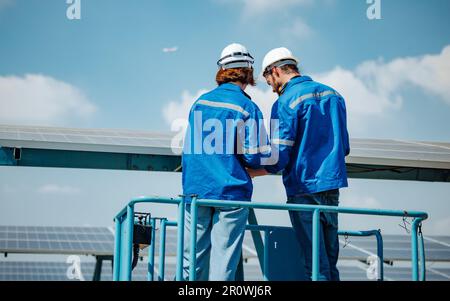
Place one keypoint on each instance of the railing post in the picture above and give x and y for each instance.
(414, 255)
(257, 240)
(129, 242)
(180, 244)
(380, 255)
(117, 246)
(423, 271)
(316, 245)
(266, 255)
(193, 241)
(151, 253)
(162, 249)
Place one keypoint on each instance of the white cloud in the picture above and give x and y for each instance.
(175, 110)
(297, 30)
(375, 86)
(253, 8)
(259, 7)
(371, 89)
(39, 99)
(58, 189)
(264, 98)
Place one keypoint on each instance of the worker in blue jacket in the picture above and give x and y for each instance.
(309, 133)
(225, 136)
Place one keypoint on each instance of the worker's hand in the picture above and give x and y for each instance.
(256, 172)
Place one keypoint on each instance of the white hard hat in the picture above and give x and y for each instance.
(281, 56)
(235, 56)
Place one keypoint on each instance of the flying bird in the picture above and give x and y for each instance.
(172, 49)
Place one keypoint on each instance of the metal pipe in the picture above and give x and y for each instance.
(414, 256)
(380, 255)
(180, 243)
(423, 270)
(117, 245)
(193, 241)
(151, 253)
(266, 255)
(162, 249)
(315, 245)
(129, 241)
(297, 207)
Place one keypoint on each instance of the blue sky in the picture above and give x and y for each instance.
(109, 70)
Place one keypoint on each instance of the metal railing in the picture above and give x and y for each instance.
(125, 221)
(266, 230)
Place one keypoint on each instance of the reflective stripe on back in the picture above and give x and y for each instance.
(283, 142)
(312, 95)
(224, 105)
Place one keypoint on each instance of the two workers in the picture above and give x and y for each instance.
(226, 145)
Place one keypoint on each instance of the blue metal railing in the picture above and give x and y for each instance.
(266, 229)
(123, 247)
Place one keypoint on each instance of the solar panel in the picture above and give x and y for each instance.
(56, 240)
(363, 151)
(395, 247)
(118, 141)
(57, 271)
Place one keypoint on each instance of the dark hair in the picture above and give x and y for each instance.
(242, 75)
(288, 69)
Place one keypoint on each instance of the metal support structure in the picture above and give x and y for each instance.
(98, 266)
(151, 252)
(266, 254)
(414, 251)
(180, 237)
(117, 245)
(257, 240)
(315, 245)
(193, 241)
(422, 255)
(162, 248)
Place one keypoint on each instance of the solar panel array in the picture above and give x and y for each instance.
(100, 241)
(56, 240)
(57, 271)
(395, 247)
(363, 151)
(411, 153)
(103, 140)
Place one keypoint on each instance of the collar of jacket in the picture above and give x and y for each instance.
(293, 81)
(233, 87)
